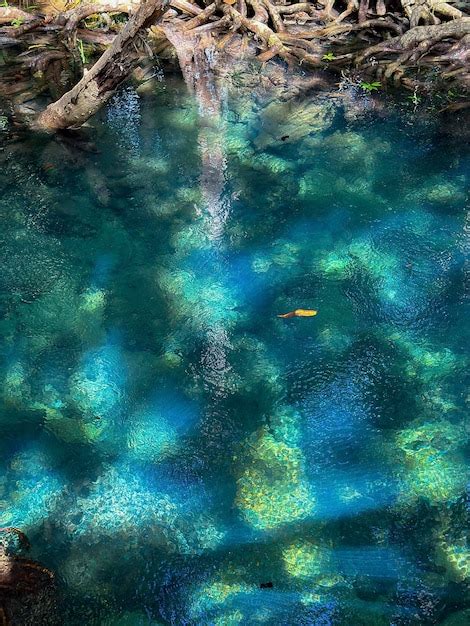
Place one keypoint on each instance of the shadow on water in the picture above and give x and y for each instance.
(175, 452)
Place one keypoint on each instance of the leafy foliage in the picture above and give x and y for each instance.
(370, 87)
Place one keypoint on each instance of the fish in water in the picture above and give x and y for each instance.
(300, 313)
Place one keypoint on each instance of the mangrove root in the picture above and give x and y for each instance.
(388, 39)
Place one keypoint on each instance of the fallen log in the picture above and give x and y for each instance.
(95, 88)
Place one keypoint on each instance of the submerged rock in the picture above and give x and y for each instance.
(432, 461)
(292, 121)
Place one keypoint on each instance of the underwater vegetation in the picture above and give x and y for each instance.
(271, 491)
(237, 398)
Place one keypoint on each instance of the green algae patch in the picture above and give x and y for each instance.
(272, 490)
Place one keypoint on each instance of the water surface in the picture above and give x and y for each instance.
(174, 451)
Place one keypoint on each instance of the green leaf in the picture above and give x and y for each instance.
(329, 56)
(81, 51)
(370, 86)
(415, 98)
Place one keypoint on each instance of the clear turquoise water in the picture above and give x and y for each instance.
(168, 444)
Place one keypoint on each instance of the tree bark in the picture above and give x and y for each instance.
(9, 14)
(98, 84)
(427, 11)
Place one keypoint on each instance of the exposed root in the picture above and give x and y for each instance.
(417, 42)
(383, 38)
(429, 11)
(201, 18)
(261, 14)
(75, 16)
(10, 14)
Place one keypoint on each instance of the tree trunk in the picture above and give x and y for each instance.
(101, 81)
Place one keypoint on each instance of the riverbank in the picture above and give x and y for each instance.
(370, 47)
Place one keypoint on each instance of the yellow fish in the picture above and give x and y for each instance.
(300, 313)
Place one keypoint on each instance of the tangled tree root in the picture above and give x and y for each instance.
(386, 39)
(414, 47)
(429, 11)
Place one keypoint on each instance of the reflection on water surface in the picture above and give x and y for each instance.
(170, 446)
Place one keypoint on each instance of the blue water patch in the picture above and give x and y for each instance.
(98, 385)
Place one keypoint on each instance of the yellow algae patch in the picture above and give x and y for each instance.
(292, 120)
(348, 494)
(71, 429)
(444, 193)
(457, 558)
(93, 301)
(429, 439)
(322, 589)
(438, 481)
(270, 163)
(284, 424)
(231, 619)
(424, 362)
(272, 490)
(285, 253)
(311, 598)
(304, 560)
(436, 400)
(219, 592)
(64, 428)
(261, 264)
(335, 264)
(15, 388)
(214, 594)
(350, 151)
(363, 254)
(172, 359)
(432, 463)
